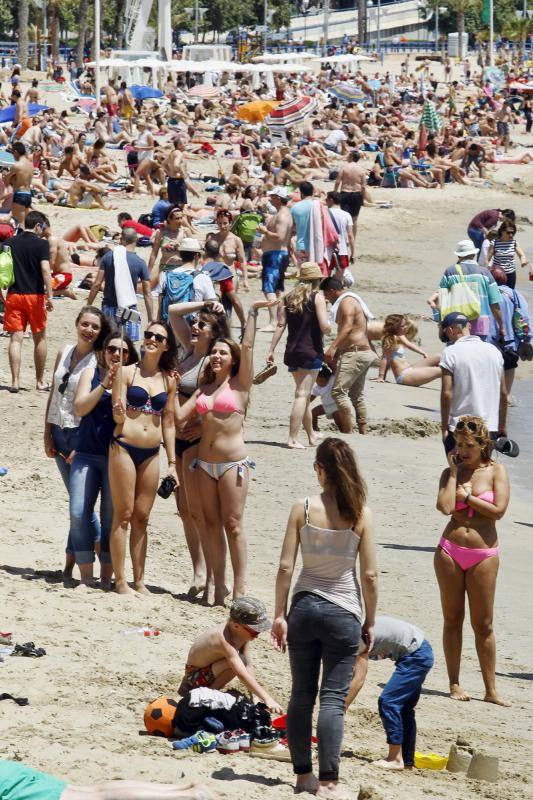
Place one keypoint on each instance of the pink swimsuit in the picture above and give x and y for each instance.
(467, 557)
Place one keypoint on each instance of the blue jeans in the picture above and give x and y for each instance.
(399, 697)
(321, 634)
(477, 236)
(65, 441)
(88, 477)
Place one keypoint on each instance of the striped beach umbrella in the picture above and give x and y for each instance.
(203, 91)
(288, 114)
(430, 118)
(348, 93)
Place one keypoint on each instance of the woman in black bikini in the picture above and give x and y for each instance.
(209, 324)
(143, 409)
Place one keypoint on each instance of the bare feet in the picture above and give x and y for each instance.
(384, 764)
(83, 586)
(457, 693)
(334, 791)
(140, 587)
(196, 588)
(293, 444)
(42, 387)
(497, 700)
(68, 581)
(267, 329)
(122, 587)
(306, 783)
(314, 440)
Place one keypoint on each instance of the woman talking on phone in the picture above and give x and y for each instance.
(325, 622)
(143, 410)
(474, 493)
(222, 465)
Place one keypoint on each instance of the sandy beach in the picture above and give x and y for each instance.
(87, 696)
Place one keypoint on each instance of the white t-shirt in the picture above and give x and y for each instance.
(344, 223)
(477, 368)
(203, 285)
(335, 138)
(324, 392)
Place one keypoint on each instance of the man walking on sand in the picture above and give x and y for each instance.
(20, 177)
(178, 179)
(350, 183)
(350, 352)
(30, 297)
(275, 246)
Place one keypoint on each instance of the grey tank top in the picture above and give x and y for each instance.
(189, 380)
(329, 557)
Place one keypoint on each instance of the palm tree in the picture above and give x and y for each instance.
(53, 9)
(518, 30)
(461, 7)
(82, 30)
(23, 15)
(361, 22)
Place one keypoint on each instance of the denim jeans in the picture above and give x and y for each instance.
(399, 697)
(65, 441)
(320, 634)
(477, 236)
(88, 477)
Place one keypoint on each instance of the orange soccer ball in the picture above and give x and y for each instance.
(159, 716)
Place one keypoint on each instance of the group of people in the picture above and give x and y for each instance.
(122, 391)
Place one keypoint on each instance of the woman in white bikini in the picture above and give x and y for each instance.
(398, 331)
(222, 464)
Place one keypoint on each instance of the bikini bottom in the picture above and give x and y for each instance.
(137, 454)
(467, 557)
(216, 471)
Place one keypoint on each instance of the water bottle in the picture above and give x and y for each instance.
(145, 631)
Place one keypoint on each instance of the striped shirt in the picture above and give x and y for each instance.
(504, 255)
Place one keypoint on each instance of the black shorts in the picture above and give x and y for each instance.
(183, 444)
(177, 191)
(352, 202)
(22, 199)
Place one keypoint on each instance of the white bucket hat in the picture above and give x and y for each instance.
(466, 247)
(190, 245)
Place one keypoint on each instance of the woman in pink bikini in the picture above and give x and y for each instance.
(474, 493)
(222, 464)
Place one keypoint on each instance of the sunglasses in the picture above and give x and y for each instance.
(250, 631)
(159, 338)
(64, 383)
(472, 426)
(111, 348)
(200, 323)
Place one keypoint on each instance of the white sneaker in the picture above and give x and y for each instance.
(228, 742)
(273, 750)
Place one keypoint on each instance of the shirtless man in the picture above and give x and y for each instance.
(177, 177)
(223, 653)
(32, 95)
(86, 183)
(61, 264)
(20, 177)
(504, 118)
(275, 246)
(351, 184)
(111, 105)
(71, 163)
(22, 122)
(350, 353)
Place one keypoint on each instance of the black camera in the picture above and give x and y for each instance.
(168, 485)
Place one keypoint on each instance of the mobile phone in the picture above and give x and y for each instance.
(127, 315)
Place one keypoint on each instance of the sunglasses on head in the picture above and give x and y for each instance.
(64, 383)
(472, 426)
(159, 338)
(111, 348)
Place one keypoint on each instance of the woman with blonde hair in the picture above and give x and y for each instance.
(398, 333)
(303, 312)
(474, 493)
(326, 620)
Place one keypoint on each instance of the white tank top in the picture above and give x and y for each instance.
(61, 411)
(329, 557)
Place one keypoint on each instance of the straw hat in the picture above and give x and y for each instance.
(310, 271)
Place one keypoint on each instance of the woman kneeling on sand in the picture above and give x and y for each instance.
(398, 332)
(474, 492)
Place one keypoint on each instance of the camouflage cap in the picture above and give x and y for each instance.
(250, 612)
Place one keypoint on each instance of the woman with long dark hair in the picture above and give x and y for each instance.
(143, 410)
(207, 324)
(325, 622)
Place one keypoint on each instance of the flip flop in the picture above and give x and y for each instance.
(28, 650)
(45, 388)
(264, 374)
(507, 447)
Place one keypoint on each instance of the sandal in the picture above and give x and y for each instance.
(507, 447)
(28, 650)
(264, 374)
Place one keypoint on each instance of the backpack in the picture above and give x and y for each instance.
(147, 219)
(179, 288)
(7, 274)
(245, 226)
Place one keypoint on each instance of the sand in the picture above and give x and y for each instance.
(87, 696)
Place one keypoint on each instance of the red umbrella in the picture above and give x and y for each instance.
(422, 140)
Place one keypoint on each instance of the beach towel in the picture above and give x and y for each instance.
(322, 235)
(124, 287)
(335, 307)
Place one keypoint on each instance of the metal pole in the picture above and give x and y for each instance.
(436, 28)
(97, 10)
(491, 34)
(379, 26)
(326, 22)
(196, 15)
(265, 21)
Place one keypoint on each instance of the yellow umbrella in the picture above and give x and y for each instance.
(256, 111)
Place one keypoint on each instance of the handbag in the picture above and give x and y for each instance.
(461, 297)
(7, 274)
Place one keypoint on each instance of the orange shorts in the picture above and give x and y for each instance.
(22, 310)
(23, 127)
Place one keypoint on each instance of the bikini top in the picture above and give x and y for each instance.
(138, 399)
(487, 496)
(189, 380)
(224, 403)
(399, 352)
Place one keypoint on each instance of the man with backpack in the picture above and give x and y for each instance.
(186, 282)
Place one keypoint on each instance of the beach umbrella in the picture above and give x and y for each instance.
(374, 84)
(430, 119)
(203, 91)
(6, 159)
(517, 86)
(8, 114)
(348, 93)
(288, 114)
(257, 110)
(145, 92)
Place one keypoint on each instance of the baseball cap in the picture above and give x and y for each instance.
(279, 191)
(454, 318)
(250, 612)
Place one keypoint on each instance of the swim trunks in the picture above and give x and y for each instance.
(195, 677)
(19, 782)
(351, 202)
(22, 198)
(21, 310)
(274, 262)
(177, 191)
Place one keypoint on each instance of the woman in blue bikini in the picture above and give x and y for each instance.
(222, 464)
(143, 410)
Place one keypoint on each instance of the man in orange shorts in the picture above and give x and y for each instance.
(29, 298)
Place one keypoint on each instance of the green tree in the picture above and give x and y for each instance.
(518, 30)
(361, 22)
(281, 18)
(82, 30)
(23, 21)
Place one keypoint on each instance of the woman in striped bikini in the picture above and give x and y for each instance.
(503, 252)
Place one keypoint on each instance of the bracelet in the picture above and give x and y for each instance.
(171, 462)
(105, 388)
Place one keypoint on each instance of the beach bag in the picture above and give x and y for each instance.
(520, 322)
(7, 274)
(461, 297)
(179, 289)
(245, 226)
